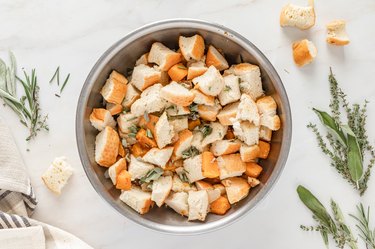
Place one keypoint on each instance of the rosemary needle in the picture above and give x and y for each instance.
(64, 84)
(54, 75)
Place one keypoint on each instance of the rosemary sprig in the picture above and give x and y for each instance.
(366, 233)
(56, 76)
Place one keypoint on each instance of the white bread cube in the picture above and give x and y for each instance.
(304, 52)
(176, 110)
(106, 147)
(180, 186)
(142, 60)
(137, 199)
(150, 101)
(125, 121)
(202, 99)
(248, 110)
(267, 109)
(158, 157)
(100, 118)
(132, 94)
(271, 122)
(209, 113)
(197, 141)
(164, 57)
(178, 202)
(144, 76)
(193, 168)
(114, 109)
(253, 182)
(196, 69)
(231, 91)
(216, 59)
(298, 16)
(198, 205)
(213, 194)
(336, 33)
(236, 188)
(183, 143)
(246, 132)
(57, 175)
(224, 147)
(163, 131)
(265, 133)
(230, 165)
(176, 94)
(179, 124)
(161, 189)
(218, 133)
(220, 187)
(211, 82)
(114, 89)
(192, 48)
(249, 153)
(115, 169)
(228, 113)
(138, 168)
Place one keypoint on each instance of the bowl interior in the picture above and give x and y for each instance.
(122, 57)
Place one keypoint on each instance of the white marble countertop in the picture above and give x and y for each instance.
(73, 34)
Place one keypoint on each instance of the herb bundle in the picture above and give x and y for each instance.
(348, 143)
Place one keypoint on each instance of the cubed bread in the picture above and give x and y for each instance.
(304, 52)
(123, 181)
(150, 101)
(137, 199)
(176, 94)
(220, 187)
(114, 89)
(115, 170)
(178, 202)
(57, 175)
(148, 121)
(142, 60)
(138, 168)
(178, 72)
(265, 134)
(209, 113)
(192, 48)
(180, 186)
(253, 169)
(126, 121)
(163, 131)
(202, 185)
(114, 109)
(246, 132)
(183, 143)
(228, 113)
(231, 91)
(193, 168)
(218, 133)
(202, 99)
(196, 69)
(216, 59)
(176, 110)
(224, 147)
(230, 165)
(164, 57)
(271, 122)
(210, 168)
(211, 82)
(198, 205)
(267, 109)
(179, 124)
(144, 76)
(193, 123)
(264, 149)
(158, 157)
(161, 189)
(249, 153)
(100, 118)
(236, 188)
(248, 110)
(121, 150)
(220, 206)
(132, 94)
(253, 182)
(298, 16)
(197, 141)
(143, 137)
(106, 147)
(336, 33)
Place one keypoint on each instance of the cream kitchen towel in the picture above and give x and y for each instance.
(17, 203)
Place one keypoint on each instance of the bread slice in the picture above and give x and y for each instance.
(230, 165)
(150, 101)
(125, 121)
(196, 69)
(163, 56)
(218, 133)
(114, 89)
(193, 168)
(137, 199)
(183, 143)
(144, 76)
(298, 16)
(228, 113)
(267, 109)
(132, 94)
(336, 33)
(106, 147)
(211, 82)
(176, 110)
(198, 205)
(231, 91)
(179, 124)
(158, 157)
(248, 110)
(209, 113)
(142, 60)
(210, 168)
(178, 202)
(177, 94)
(192, 48)
(178, 72)
(100, 118)
(163, 131)
(220, 206)
(236, 188)
(115, 170)
(225, 147)
(138, 168)
(161, 189)
(253, 169)
(202, 99)
(304, 52)
(249, 153)
(57, 175)
(265, 133)
(216, 59)
(246, 132)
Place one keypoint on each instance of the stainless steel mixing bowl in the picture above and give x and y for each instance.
(121, 57)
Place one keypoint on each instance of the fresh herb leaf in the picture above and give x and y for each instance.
(124, 142)
(227, 88)
(182, 67)
(146, 117)
(134, 128)
(152, 175)
(206, 130)
(54, 75)
(190, 152)
(354, 159)
(331, 125)
(183, 177)
(64, 84)
(366, 233)
(149, 133)
(193, 115)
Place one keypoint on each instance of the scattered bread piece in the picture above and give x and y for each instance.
(198, 205)
(248, 110)
(115, 169)
(138, 168)
(163, 131)
(150, 101)
(193, 168)
(249, 153)
(228, 113)
(246, 132)
(144, 76)
(114, 89)
(230, 166)
(304, 52)
(132, 94)
(158, 157)
(196, 69)
(106, 147)
(264, 149)
(202, 99)
(216, 59)
(161, 189)
(163, 56)
(192, 48)
(231, 91)
(137, 199)
(220, 206)
(236, 188)
(178, 202)
(178, 72)
(253, 169)
(224, 147)
(210, 168)
(298, 16)
(177, 94)
(336, 33)
(183, 143)
(100, 118)
(57, 175)
(211, 82)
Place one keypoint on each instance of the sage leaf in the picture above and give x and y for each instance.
(354, 159)
(331, 125)
(152, 175)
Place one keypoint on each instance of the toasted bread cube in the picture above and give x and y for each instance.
(114, 89)
(193, 168)
(163, 131)
(207, 112)
(150, 101)
(265, 134)
(202, 99)
(267, 109)
(253, 182)
(126, 121)
(137, 199)
(224, 147)
(336, 33)
(178, 72)
(210, 168)
(264, 149)
(121, 150)
(100, 118)
(246, 132)
(161, 189)
(183, 143)
(216, 59)
(304, 52)
(193, 123)
(218, 132)
(192, 48)
(249, 153)
(144, 76)
(229, 135)
(228, 113)
(196, 69)
(178, 202)
(163, 56)
(150, 123)
(180, 186)
(211, 82)
(144, 140)
(138, 169)
(142, 60)
(230, 166)
(298, 16)
(138, 150)
(114, 109)
(248, 110)
(177, 94)
(197, 141)
(115, 170)
(176, 110)
(220, 187)
(179, 124)
(57, 175)
(271, 122)
(106, 147)
(123, 181)
(253, 169)
(231, 91)
(132, 94)
(220, 206)
(158, 157)
(236, 188)
(198, 205)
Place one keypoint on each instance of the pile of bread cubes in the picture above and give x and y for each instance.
(301, 17)
(190, 130)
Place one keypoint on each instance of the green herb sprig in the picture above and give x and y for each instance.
(190, 152)
(152, 175)
(56, 76)
(366, 233)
